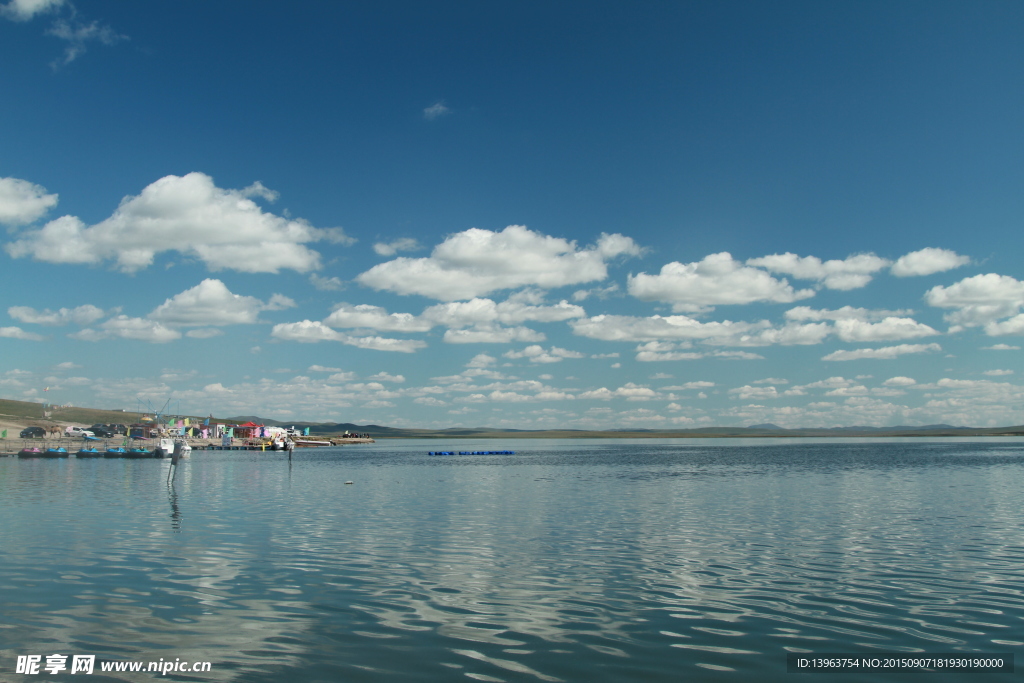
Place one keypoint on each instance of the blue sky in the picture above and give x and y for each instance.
(531, 215)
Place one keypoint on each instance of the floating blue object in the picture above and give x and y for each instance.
(472, 453)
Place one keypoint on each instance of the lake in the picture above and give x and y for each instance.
(572, 560)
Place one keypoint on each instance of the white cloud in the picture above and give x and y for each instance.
(979, 300)
(18, 333)
(599, 292)
(481, 360)
(224, 229)
(393, 247)
(212, 303)
(670, 351)
(326, 284)
(749, 393)
(387, 377)
(23, 10)
(346, 315)
(899, 381)
(80, 315)
(475, 262)
(844, 313)
(78, 35)
(204, 333)
(771, 380)
(322, 368)
(629, 391)
(313, 331)
(927, 261)
(124, 327)
(718, 279)
(22, 202)
(997, 373)
(511, 312)
(492, 334)
(851, 273)
(690, 385)
(884, 353)
(1001, 347)
(537, 354)
(629, 328)
(889, 329)
(436, 111)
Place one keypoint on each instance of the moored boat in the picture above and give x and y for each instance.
(116, 452)
(55, 452)
(137, 453)
(30, 452)
(89, 453)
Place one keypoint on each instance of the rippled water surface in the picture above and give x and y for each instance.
(604, 560)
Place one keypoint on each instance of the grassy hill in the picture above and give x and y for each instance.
(24, 412)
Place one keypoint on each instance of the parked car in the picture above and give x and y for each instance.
(33, 433)
(118, 429)
(102, 431)
(77, 431)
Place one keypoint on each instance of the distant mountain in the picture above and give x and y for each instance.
(766, 425)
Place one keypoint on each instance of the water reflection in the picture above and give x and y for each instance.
(642, 563)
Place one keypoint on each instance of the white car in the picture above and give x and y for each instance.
(77, 431)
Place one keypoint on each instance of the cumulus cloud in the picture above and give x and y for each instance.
(225, 229)
(313, 331)
(124, 327)
(212, 303)
(852, 272)
(928, 261)
(22, 202)
(395, 246)
(680, 327)
(346, 315)
(204, 333)
(23, 10)
(511, 312)
(80, 315)
(997, 373)
(899, 381)
(844, 313)
(671, 351)
(18, 333)
(889, 329)
(492, 334)
(326, 284)
(717, 279)
(653, 328)
(436, 111)
(883, 353)
(476, 262)
(981, 300)
(537, 354)
(628, 391)
(1001, 347)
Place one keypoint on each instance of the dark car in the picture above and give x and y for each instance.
(102, 431)
(118, 428)
(33, 433)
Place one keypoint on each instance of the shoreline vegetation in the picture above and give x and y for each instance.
(16, 415)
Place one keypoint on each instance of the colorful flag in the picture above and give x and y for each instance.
(3, 435)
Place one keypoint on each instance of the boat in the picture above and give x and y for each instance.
(164, 448)
(115, 452)
(138, 453)
(55, 452)
(89, 453)
(30, 452)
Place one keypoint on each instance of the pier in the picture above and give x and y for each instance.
(10, 447)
